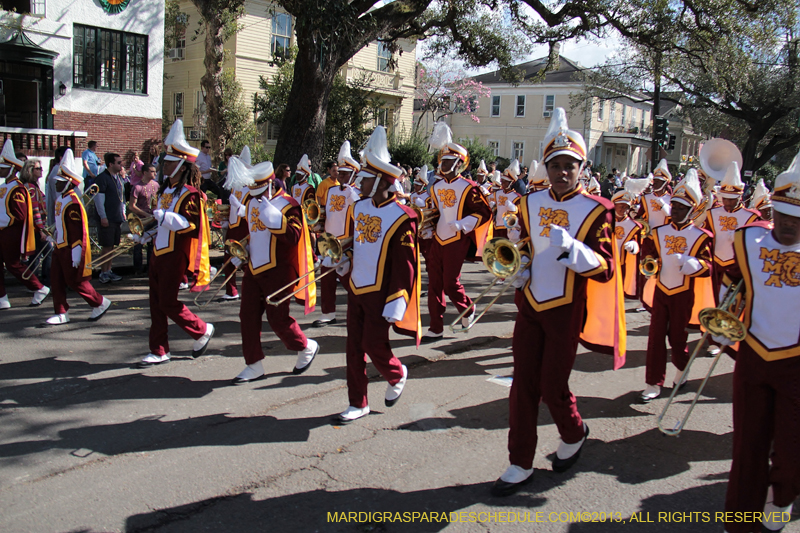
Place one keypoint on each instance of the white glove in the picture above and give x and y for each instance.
(632, 247)
(271, 214)
(77, 255)
(524, 273)
(158, 214)
(174, 221)
(327, 262)
(662, 202)
(224, 225)
(135, 238)
(427, 233)
(235, 203)
(419, 202)
(514, 234)
(50, 239)
(560, 238)
(235, 261)
(511, 207)
(343, 267)
(146, 237)
(679, 258)
(690, 265)
(722, 340)
(394, 310)
(466, 224)
(484, 190)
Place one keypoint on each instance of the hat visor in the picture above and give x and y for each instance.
(365, 174)
(730, 195)
(172, 158)
(450, 156)
(683, 201)
(785, 208)
(570, 153)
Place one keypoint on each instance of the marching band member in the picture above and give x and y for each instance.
(16, 227)
(627, 234)
(683, 252)
(336, 203)
(279, 251)
(593, 188)
(72, 253)
(302, 190)
(568, 273)
(180, 245)
(538, 180)
(505, 199)
(481, 177)
(422, 199)
(761, 201)
(237, 225)
(766, 378)
(384, 279)
(655, 206)
(463, 211)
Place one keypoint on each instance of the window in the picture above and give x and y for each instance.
(549, 105)
(494, 146)
(281, 34)
(520, 105)
(496, 107)
(37, 7)
(382, 117)
(178, 104)
(601, 110)
(384, 57)
(641, 124)
(612, 116)
(273, 130)
(518, 151)
(624, 113)
(109, 60)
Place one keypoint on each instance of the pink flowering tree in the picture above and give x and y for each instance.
(444, 88)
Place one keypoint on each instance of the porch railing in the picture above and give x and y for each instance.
(41, 143)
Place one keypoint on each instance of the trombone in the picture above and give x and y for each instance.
(425, 217)
(137, 227)
(503, 259)
(50, 231)
(312, 212)
(720, 321)
(235, 249)
(329, 246)
(649, 266)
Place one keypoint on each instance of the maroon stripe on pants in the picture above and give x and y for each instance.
(444, 278)
(168, 273)
(63, 275)
(255, 290)
(766, 414)
(670, 318)
(10, 245)
(368, 334)
(544, 349)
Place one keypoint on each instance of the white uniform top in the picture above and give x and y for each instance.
(624, 231)
(424, 195)
(449, 199)
(372, 228)
(61, 226)
(167, 201)
(243, 195)
(671, 241)
(262, 240)
(6, 192)
(500, 197)
(337, 204)
(299, 190)
(772, 292)
(723, 225)
(653, 212)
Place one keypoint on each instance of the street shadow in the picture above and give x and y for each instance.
(52, 367)
(316, 510)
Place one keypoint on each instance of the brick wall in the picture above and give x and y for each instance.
(113, 133)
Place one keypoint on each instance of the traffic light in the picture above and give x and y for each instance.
(661, 134)
(671, 144)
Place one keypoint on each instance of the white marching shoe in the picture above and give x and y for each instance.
(305, 357)
(393, 392)
(513, 479)
(229, 297)
(430, 336)
(153, 359)
(568, 454)
(250, 373)
(678, 378)
(40, 295)
(467, 319)
(4, 303)
(57, 320)
(100, 310)
(714, 350)
(772, 511)
(200, 345)
(353, 413)
(650, 393)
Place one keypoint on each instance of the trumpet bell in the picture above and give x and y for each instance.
(649, 266)
(721, 323)
(511, 219)
(313, 212)
(330, 246)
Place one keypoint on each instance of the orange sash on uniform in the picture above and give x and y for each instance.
(305, 264)
(198, 252)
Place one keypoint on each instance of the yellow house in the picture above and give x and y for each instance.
(267, 30)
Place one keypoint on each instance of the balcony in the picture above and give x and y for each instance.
(41, 142)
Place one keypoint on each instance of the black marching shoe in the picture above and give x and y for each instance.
(562, 465)
(518, 476)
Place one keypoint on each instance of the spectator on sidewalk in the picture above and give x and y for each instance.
(204, 164)
(91, 164)
(143, 199)
(31, 173)
(111, 210)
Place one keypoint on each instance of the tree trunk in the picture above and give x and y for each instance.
(211, 80)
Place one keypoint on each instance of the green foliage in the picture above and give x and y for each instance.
(409, 149)
(477, 151)
(175, 23)
(236, 122)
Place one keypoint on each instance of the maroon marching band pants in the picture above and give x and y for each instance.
(670, 318)
(328, 291)
(230, 286)
(169, 271)
(544, 348)
(63, 275)
(368, 334)
(766, 414)
(10, 242)
(255, 290)
(443, 264)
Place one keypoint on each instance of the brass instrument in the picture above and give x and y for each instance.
(236, 249)
(720, 321)
(645, 231)
(425, 217)
(312, 212)
(50, 231)
(649, 266)
(503, 259)
(137, 227)
(329, 246)
(218, 212)
(511, 219)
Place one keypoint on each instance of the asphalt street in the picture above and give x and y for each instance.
(88, 442)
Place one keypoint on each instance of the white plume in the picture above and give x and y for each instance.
(637, 186)
(238, 174)
(378, 146)
(441, 136)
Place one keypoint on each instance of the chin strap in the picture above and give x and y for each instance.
(180, 164)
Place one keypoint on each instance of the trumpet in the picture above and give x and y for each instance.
(50, 231)
(137, 227)
(329, 246)
(235, 249)
(425, 217)
(503, 259)
(720, 321)
(312, 212)
(511, 219)
(649, 266)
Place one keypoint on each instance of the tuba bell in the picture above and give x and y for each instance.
(715, 157)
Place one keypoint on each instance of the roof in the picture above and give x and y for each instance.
(20, 48)
(565, 73)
